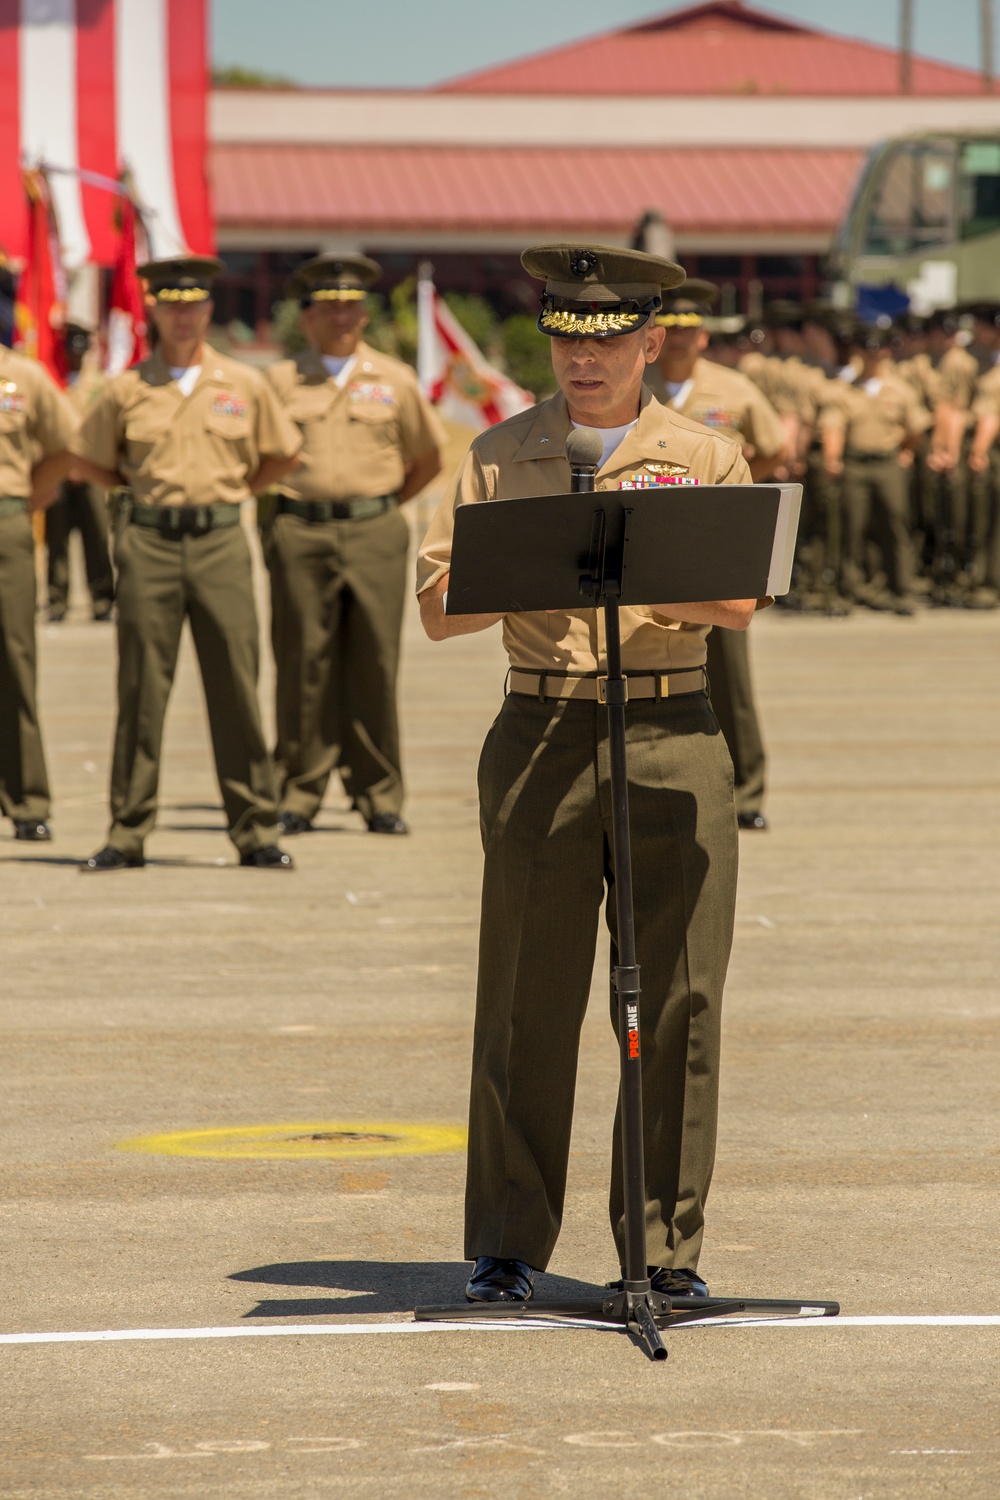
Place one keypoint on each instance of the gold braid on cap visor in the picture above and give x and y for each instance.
(338, 294)
(679, 320)
(581, 325)
(182, 294)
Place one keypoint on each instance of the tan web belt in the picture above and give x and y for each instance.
(592, 687)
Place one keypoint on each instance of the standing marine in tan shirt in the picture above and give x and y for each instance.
(190, 434)
(730, 403)
(545, 804)
(36, 427)
(337, 550)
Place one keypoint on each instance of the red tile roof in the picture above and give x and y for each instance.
(723, 47)
(473, 188)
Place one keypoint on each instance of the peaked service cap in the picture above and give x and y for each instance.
(597, 291)
(333, 278)
(689, 306)
(181, 278)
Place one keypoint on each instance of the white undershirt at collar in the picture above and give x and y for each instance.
(186, 377)
(678, 393)
(611, 437)
(339, 367)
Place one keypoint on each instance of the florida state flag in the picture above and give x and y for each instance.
(453, 372)
(40, 305)
(127, 342)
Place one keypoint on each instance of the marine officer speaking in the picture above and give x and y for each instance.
(190, 434)
(337, 550)
(545, 805)
(36, 426)
(733, 405)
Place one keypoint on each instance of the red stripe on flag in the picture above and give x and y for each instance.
(96, 133)
(13, 212)
(187, 51)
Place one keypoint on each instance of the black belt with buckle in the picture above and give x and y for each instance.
(175, 521)
(870, 458)
(358, 508)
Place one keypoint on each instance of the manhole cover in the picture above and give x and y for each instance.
(304, 1141)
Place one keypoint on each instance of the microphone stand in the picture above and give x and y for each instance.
(631, 1303)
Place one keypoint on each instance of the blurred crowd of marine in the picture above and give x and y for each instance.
(891, 428)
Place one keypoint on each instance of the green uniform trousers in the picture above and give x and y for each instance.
(545, 799)
(731, 688)
(80, 507)
(338, 589)
(24, 782)
(876, 497)
(207, 580)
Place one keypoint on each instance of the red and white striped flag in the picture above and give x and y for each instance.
(127, 342)
(454, 373)
(40, 304)
(89, 88)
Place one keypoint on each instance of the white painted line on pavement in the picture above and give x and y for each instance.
(507, 1325)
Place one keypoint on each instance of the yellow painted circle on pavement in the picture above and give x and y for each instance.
(306, 1141)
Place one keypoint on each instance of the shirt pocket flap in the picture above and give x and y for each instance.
(309, 403)
(228, 425)
(372, 413)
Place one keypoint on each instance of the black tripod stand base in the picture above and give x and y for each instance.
(643, 1315)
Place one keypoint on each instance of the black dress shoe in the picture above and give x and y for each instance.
(497, 1280)
(752, 820)
(111, 859)
(677, 1283)
(387, 823)
(268, 857)
(32, 830)
(57, 614)
(290, 823)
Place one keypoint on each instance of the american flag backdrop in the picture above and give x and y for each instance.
(89, 88)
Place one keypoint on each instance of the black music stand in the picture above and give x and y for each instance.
(606, 550)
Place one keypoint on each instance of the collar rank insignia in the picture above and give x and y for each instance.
(653, 481)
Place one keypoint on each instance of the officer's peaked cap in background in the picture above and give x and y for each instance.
(181, 278)
(333, 278)
(688, 307)
(598, 291)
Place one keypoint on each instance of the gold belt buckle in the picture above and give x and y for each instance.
(602, 689)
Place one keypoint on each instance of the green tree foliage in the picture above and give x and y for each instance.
(526, 355)
(249, 78)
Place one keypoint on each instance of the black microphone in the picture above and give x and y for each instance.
(584, 450)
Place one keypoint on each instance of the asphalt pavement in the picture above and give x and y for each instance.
(234, 1103)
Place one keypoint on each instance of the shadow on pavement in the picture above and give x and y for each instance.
(380, 1286)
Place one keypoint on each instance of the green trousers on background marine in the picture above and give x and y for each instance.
(338, 592)
(24, 782)
(730, 686)
(545, 799)
(207, 580)
(83, 508)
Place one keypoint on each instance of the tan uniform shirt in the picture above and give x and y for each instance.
(82, 392)
(769, 374)
(357, 437)
(874, 424)
(172, 449)
(729, 403)
(958, 371)
(526, 456)
(987, 397)
(36, 421)
(920, 374)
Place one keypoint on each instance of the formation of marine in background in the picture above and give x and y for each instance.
(892, 432)
(891, 429)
